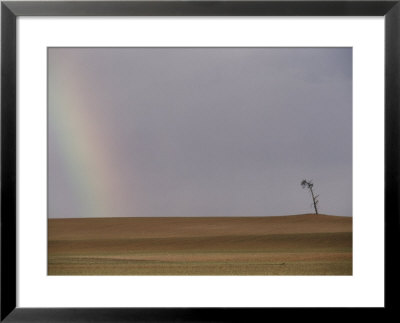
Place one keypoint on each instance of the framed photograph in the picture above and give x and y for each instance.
(197, 160)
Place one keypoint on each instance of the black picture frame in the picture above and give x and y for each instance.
(10, 10)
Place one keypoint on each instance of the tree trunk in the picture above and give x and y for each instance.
(315, 203)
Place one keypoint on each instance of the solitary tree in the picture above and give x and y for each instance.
(309, 185)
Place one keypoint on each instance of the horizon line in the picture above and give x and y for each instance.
(198, 217)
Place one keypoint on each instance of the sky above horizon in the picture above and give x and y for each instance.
(198, 131)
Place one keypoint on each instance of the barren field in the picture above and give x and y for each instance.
(282, 245)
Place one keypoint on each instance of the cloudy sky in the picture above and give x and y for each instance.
(198, 131)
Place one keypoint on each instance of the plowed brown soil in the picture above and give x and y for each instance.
(281, 245)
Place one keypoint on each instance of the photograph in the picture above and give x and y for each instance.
(199, 161)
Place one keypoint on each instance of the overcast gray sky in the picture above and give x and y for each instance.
(199, 131)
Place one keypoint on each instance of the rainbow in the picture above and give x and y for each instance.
(85, 147)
